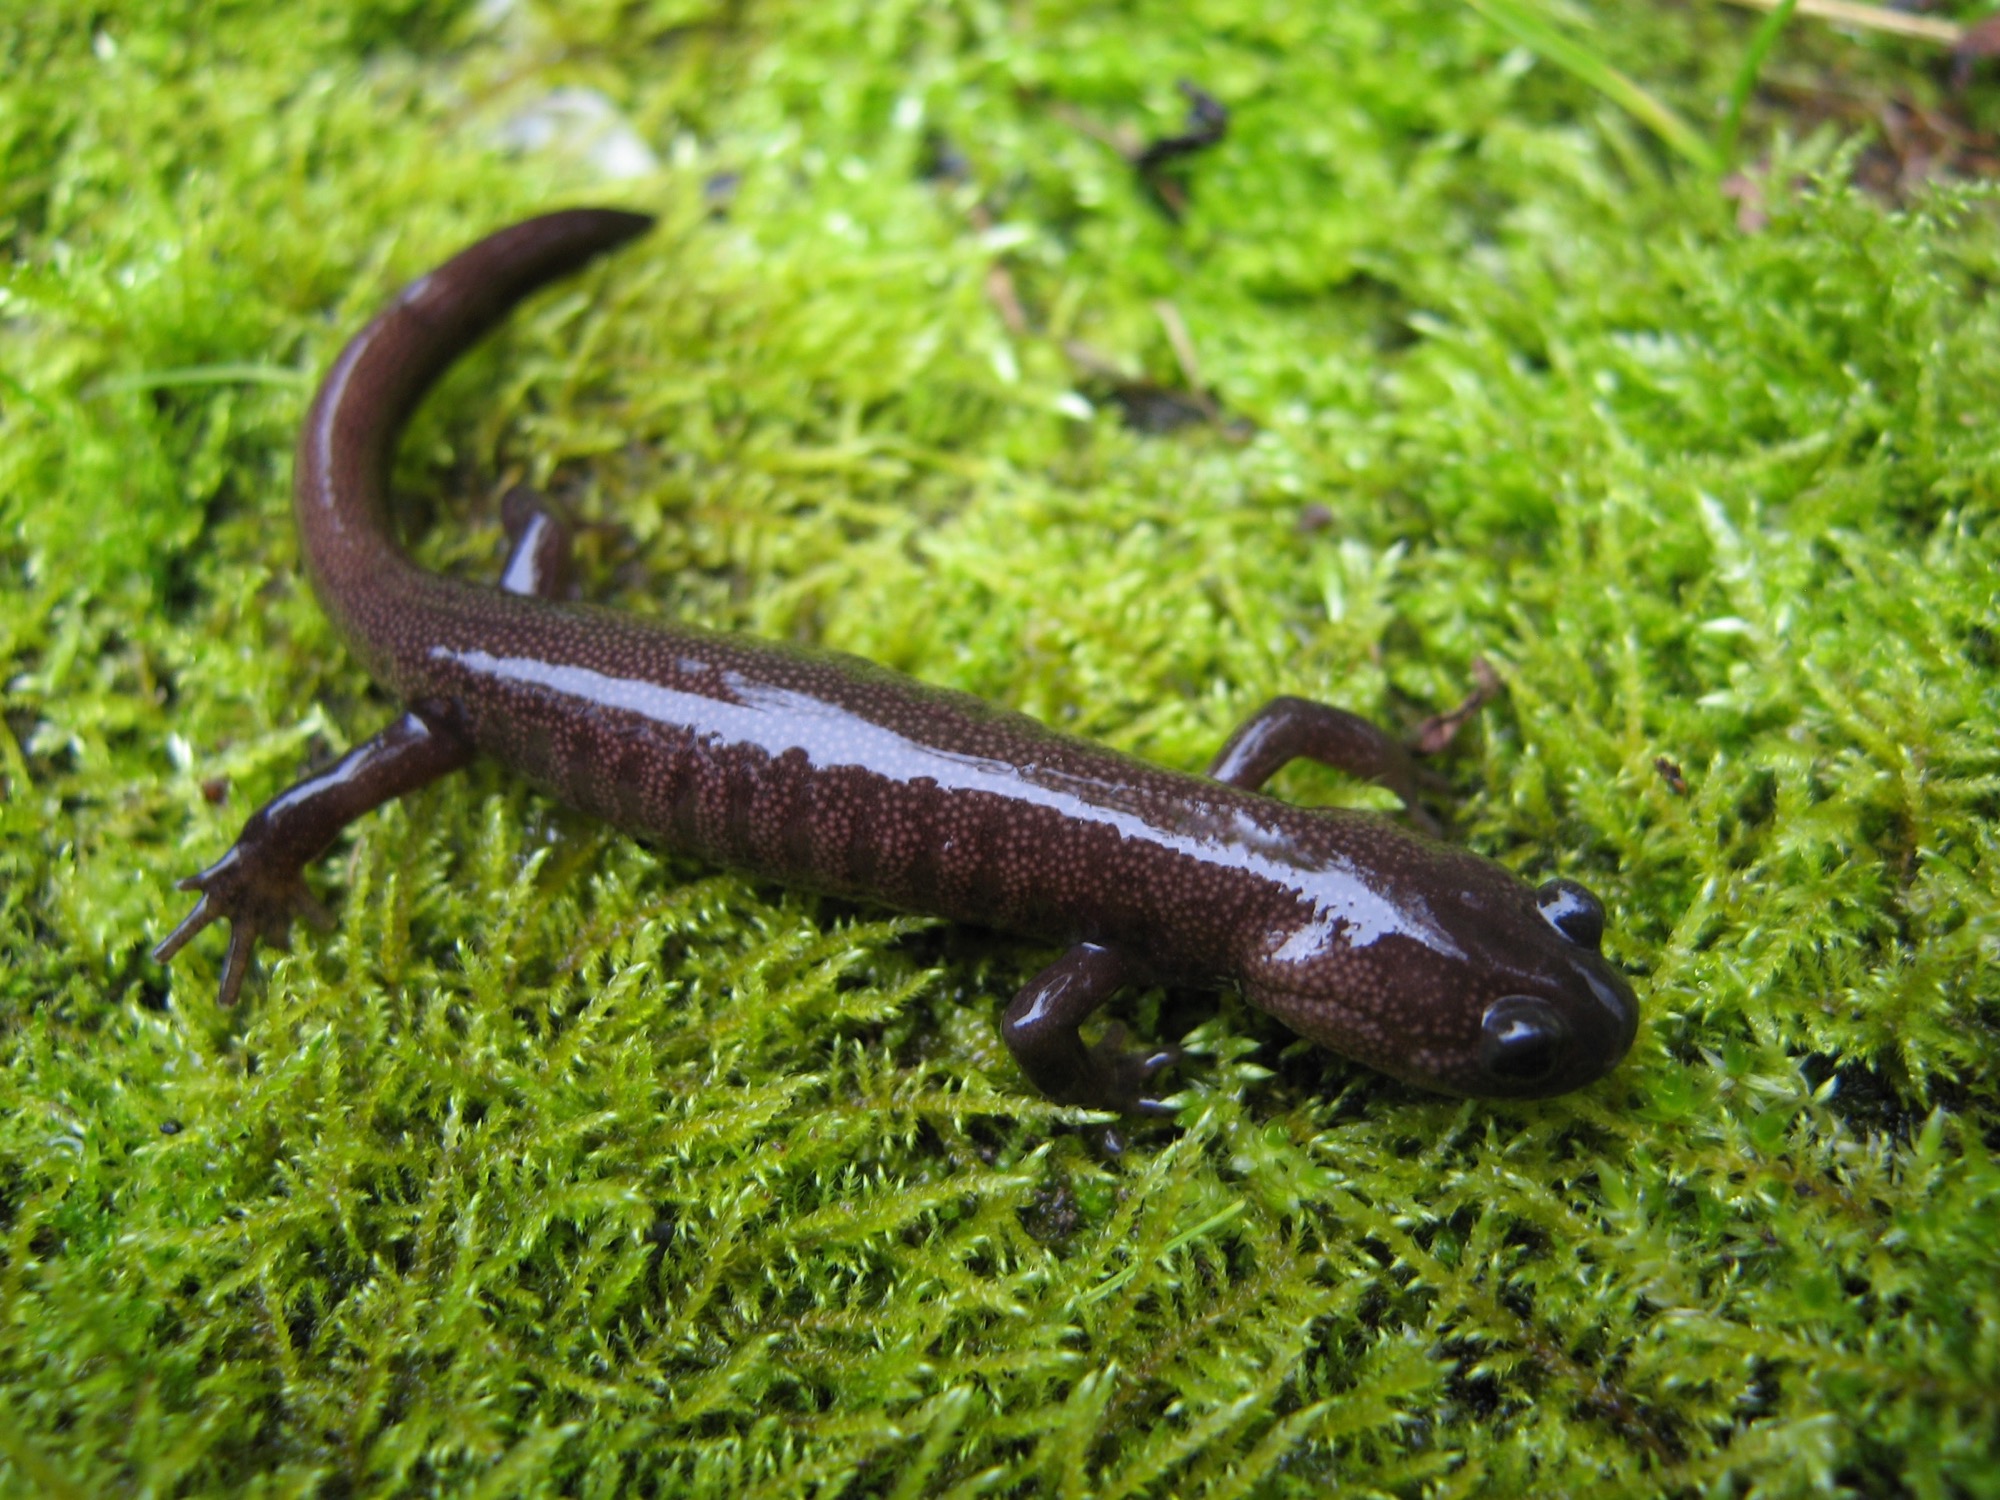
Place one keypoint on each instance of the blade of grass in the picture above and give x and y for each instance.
(1869, 18)
(1534, 31)
(228, 374)
(1746, 77)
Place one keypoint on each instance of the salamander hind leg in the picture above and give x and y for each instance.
(1040, 1029)
(258, 886)
(540, 538)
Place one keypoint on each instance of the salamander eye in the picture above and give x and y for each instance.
(1572, 911)
(1524, 1040)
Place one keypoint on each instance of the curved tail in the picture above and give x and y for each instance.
(340, 481)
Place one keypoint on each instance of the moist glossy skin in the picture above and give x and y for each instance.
(1419, 958)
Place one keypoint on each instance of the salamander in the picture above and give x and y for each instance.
(1410, 954)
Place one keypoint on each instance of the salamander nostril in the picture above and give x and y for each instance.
(1523, 1040)
(1572, 911)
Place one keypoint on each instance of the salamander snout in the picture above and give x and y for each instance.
(1581, 1024)
(1461, 979)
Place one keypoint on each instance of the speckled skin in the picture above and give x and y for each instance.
(834, 774)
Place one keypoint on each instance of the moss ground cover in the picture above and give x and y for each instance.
(565, 1165)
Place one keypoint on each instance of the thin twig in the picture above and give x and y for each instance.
(1182, 342)
(1870, 18)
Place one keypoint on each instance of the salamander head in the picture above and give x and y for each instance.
(1445, 970)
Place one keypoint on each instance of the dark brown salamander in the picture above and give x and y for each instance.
(1422, 959)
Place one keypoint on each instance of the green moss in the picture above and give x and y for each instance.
(560, 1165)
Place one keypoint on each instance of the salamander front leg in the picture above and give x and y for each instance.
(258, 886)
(1040, 1029)
(1289, 729)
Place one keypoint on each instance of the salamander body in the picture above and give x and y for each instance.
(809, 767)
